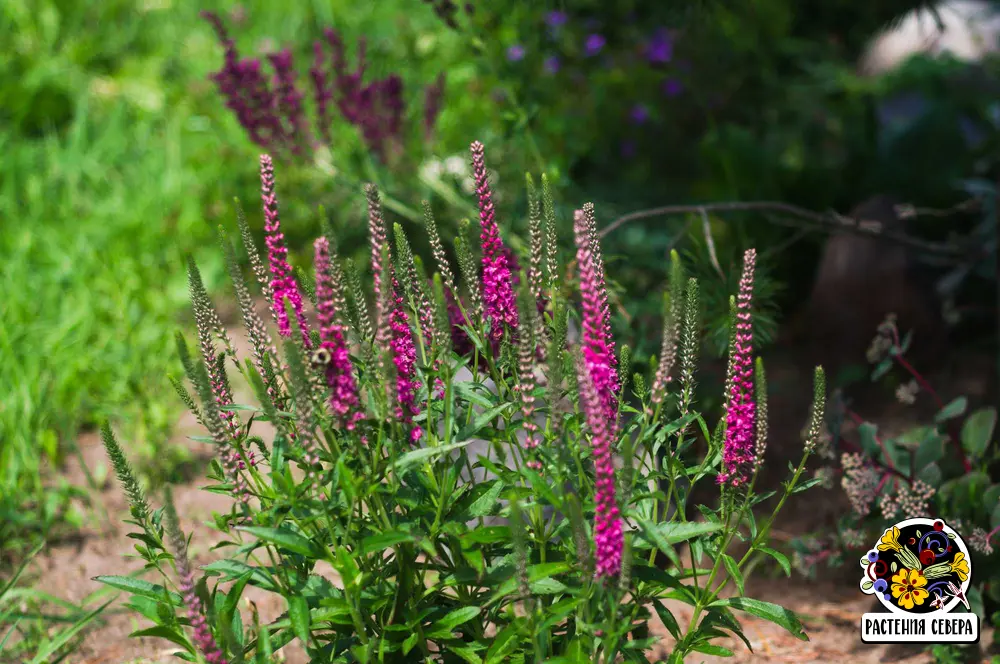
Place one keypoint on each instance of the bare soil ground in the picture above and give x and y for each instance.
(830, 608)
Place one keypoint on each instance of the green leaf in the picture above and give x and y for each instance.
(171, 634)
(663, 536)
(486, 535)
(298, 613)
(465, 652)
(482, 420)
(411, 642)
(403, 463)
(930, 450)
(768, 611)
(64, 637)
(284, 538)
(734, 571)
(536, 573)
(456, 618)
(709, 649)
(153, 591)
(382, 541)
(667, 618)
(867, 433)
(780, 557)
(867, 585)
(951, 410)
(978, 430)
(503, 643)
(233, 569)
(232, 602)
(487, 503)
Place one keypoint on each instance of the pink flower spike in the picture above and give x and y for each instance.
(282, 282)
(498, 290)
(596, 344)
(608, 536)
(739, 450)
(404, 356)
(338, 370)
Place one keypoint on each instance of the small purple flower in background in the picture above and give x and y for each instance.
(552, 65)
(515, 53)
(628, 149)
(594, 44)
(556, 19)
(639, 114)
(672, 87)
(660, 49)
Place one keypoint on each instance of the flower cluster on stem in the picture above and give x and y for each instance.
(739, 451)
(608, 536)
(203, 638)
(404, 357)
(498, 288)
(283, 284)
(598, 348)
(338, 371)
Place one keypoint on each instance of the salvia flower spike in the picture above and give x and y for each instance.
(283, 284)
(337, 369)
(739, 450)
(608, 536)
(203, 638)
(598, 353)
(498, 287)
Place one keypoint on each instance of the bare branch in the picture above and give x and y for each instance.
(800, 217)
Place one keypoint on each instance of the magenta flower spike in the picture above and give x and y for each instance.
(596, 344)
(739, 449)
(608, 537)
(282, 282)
(338, 372)
(404, 356)
(498, 290)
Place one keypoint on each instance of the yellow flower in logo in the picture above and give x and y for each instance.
(890, 540)
(908, 588)
(960, 566)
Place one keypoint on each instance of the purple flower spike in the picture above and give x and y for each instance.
(282, 283)
(594, 44)
(739, 451)
(608, 536)
(339, 373)
(515, 53)
(404, 356)
(598, 347)
(498, 290)
(552, 65)
(639, 114)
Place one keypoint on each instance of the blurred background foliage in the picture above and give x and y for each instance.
(120, 157)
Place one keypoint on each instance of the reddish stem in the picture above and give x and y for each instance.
(953, 431)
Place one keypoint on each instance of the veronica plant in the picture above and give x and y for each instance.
(414, 504)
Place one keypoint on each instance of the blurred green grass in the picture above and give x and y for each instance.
(118, 159)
